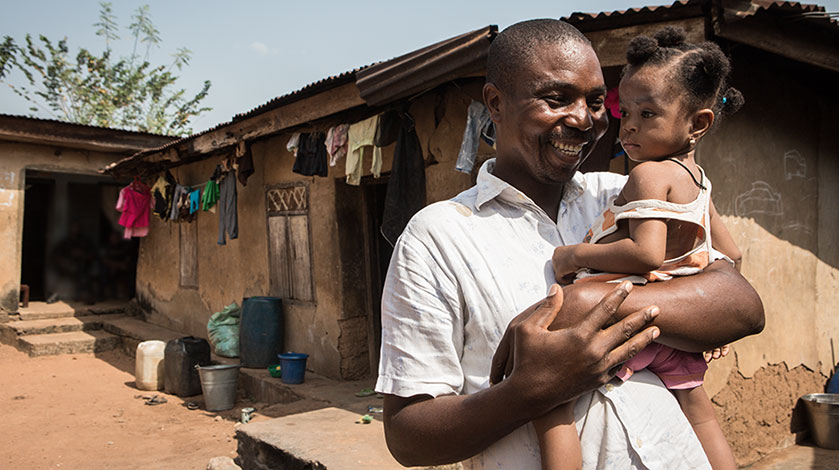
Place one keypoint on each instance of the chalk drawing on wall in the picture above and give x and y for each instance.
(7, 197)
(8, 189)
(7, 180)
(798, 227)
(760, 199)
(794, 165)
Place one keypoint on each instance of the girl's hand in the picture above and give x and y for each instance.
(563, 262)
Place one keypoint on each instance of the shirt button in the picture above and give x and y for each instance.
(609, 387)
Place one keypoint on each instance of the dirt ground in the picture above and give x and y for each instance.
(84, 412)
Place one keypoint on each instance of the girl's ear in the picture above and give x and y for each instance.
(701, 123)
(492, 100)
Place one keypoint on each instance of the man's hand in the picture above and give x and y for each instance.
(562, 260)
(575, 358)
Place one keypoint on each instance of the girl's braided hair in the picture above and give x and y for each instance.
(702, 69)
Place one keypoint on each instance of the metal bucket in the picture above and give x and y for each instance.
(823, 410)
(218, 383)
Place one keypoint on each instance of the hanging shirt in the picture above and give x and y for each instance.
(336, 143)
(210, 195)
(293, 142)
(360, 137)
(194, 201)
(135, 205)
(311, 155)
(478, 126)
(177, 193)
(162, 191)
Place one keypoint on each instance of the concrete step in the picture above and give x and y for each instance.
(61, 309)
(73, 342)
(134, 331)
(10, 332)
(324, 439)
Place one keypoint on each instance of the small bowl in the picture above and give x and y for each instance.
(275, 371)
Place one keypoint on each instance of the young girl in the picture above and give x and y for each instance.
(660, 225)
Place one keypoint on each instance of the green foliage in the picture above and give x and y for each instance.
(125, 93)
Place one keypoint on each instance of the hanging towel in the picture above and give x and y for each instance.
(228, 217)
(406, 187)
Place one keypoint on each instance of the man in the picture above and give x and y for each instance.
(464, 268)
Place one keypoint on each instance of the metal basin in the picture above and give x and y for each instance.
(823, 411)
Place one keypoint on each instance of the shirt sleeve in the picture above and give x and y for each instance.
(422, 326)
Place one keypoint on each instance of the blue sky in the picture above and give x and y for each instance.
(253, 51)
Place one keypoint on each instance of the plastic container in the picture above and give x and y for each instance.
(261, 331)
(148, 365)
(181, 357)
(218, 383)
(293, 366)
(823, 411)
(275, 370)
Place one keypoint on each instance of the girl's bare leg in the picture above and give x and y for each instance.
(699, 411)
(558, 439)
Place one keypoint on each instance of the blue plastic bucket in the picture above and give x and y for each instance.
(293, 366)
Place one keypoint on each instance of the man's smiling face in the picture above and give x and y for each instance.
(552, 114)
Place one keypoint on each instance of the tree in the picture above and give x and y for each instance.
(127, 93)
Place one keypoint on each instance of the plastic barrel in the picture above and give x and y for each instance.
(218, 383)
(293, 366)
(261, 331)
(180, 358)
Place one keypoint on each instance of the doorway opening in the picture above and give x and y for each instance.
(73, 248)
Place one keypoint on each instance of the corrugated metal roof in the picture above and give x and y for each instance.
(425, 68)
(734, 9)
(74, 124)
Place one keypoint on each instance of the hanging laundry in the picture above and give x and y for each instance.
(387, 129)
(293, 143)
(178, 192)
(478, 126)
(134, 202)
(244, 160)
(228, 217)
(360, 137)
(210, 195)
(194, 201)
(311, 155)
(406, 186)
(162, 191)
(184, 206)
(336, 143)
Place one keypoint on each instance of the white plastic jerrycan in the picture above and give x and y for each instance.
(148, 366)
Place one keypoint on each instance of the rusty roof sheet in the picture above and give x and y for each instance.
(733, 9)
(425, 68)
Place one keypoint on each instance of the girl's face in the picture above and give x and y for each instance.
(654, 123)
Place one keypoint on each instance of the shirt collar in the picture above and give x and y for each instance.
(490, 186)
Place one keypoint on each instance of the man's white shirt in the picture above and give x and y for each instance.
(461, 270)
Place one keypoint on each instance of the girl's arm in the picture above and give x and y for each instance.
(722, 240)
(645, 248)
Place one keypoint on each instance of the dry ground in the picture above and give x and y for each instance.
(81, 412)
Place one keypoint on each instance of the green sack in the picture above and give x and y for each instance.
(223, 331)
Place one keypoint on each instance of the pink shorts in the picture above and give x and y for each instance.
(677, 369)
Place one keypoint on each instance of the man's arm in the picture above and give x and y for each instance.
(698, 312)
(549, 368)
